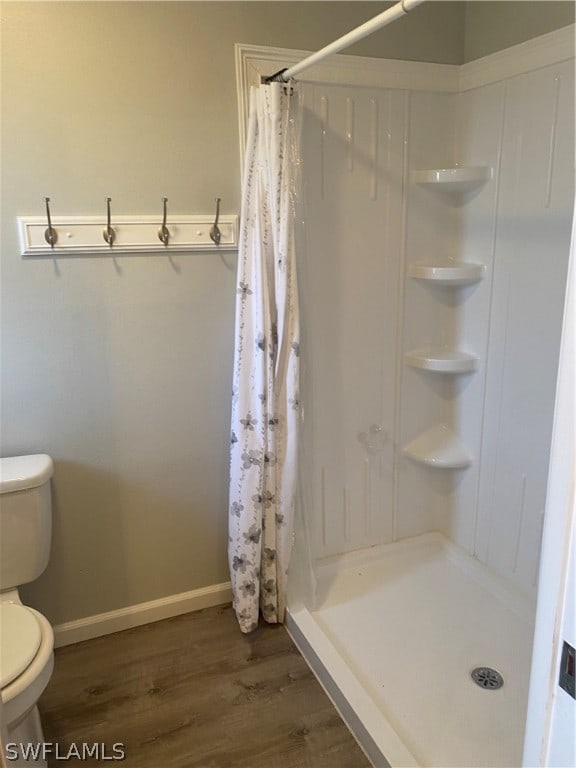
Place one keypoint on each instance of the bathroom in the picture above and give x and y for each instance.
(120, 368)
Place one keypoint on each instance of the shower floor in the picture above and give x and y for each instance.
(398, 630)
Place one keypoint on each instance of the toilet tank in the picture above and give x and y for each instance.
(25, 518)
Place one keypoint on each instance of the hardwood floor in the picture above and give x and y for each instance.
(193, 692)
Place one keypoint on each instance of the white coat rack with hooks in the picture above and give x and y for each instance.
(110, 235)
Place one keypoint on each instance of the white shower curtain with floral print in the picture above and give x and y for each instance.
(265, 407)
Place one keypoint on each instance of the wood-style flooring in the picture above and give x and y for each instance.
(193, 692)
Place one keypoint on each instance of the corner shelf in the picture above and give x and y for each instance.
(439, 447)
(441, 360)
(458, 179)
(450, 273)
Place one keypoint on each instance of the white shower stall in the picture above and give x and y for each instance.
(437, 209)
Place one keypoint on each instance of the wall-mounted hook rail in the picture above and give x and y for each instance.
(163, 231)
(215, 234)
(108, 234)
(134, 234)
(50, 235)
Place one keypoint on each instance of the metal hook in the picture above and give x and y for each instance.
(50, 234)
(215, 234)
(163, 231)
(108, 234)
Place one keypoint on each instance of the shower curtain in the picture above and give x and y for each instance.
(265, 407)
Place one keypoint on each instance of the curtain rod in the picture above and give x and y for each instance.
(370, 26)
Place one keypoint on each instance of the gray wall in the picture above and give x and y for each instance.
(121, 370)
(492, 26)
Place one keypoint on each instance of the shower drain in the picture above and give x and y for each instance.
(487, 678)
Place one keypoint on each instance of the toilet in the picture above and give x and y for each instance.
(26, 637)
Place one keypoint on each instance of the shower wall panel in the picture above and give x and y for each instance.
(354, 141)
(477, 144)
(531, 246)
(366, 222)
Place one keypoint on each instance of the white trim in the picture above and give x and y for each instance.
(539, 52)
(143, 613)
(255, 61)
(342, 69)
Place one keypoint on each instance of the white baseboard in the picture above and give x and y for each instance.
(143, 613)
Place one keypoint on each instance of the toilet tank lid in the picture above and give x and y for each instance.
(17, 473)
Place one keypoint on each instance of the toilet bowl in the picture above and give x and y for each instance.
(26, 637)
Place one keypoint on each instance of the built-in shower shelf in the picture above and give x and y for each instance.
(441, 360)
(447, 274)
(438, 447)
(458, 179)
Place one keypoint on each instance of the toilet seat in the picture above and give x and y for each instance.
(20, 638)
